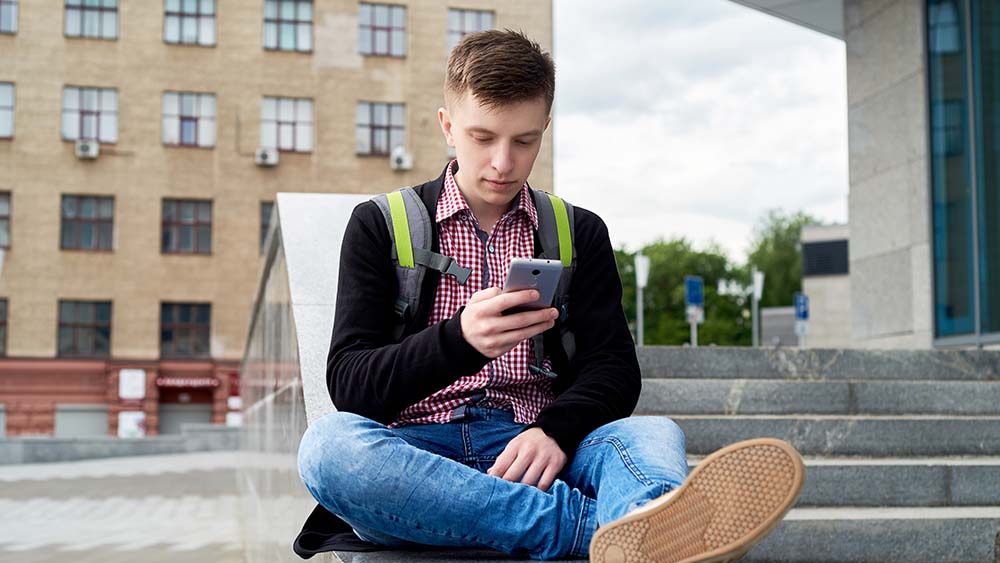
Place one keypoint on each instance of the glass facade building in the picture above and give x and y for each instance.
(963, 62)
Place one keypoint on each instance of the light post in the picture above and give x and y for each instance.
(758, 292)
(641, 277)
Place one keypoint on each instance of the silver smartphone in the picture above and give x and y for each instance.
(533, 273)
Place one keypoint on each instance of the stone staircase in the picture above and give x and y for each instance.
(902, 447)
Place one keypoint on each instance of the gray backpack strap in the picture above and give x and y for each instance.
(413, 241)
(548, 235)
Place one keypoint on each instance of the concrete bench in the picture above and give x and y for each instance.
(283, 377)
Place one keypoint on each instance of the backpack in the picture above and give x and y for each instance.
(410, 229)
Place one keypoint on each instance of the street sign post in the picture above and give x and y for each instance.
(694, 296)
(641, 277)
(801, 302)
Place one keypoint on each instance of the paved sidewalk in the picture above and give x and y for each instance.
(175, 508)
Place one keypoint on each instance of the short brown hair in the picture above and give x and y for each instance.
(499, 68)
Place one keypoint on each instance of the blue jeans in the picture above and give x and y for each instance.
(427, 484)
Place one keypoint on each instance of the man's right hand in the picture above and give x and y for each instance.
(487, 329)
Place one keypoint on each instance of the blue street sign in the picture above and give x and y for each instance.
(801, 301)
(694, 290)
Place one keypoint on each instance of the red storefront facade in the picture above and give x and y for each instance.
(34, 392)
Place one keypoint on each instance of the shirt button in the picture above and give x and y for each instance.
(490, 248)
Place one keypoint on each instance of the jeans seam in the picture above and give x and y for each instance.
(623, 453)
(578, 531)
(466, 440)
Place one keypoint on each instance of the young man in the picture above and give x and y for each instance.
(448, 436)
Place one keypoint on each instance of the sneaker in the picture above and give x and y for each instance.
(734, 498)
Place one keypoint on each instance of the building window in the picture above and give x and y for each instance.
(6, 110)
(90, 113)
(4, 219)
(944, 34)
(8, 16)
(287, 124)
(948, 127)
(84, 328)
(189, 119)
(464, 22)
(265, 221)
(288, 25)
(87, 222)
(382, 30)
(3, 327)
(187, 226)
(189, 22)
(92, 18)
(380, 127)
(185, 329)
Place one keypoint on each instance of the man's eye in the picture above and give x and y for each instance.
(482, 139)
(524, 143)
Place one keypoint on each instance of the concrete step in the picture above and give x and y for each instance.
(813, 535)
(775, 396)
(710, 362)
(898, 482)
(871, 436)
(883, 535)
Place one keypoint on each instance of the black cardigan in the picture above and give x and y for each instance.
(370, 374)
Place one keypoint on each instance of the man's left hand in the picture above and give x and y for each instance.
(532, 458)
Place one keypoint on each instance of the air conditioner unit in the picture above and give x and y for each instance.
(88, 149)
(266, 156)
(400, 159)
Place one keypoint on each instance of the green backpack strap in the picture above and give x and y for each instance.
(410, 229)
(557, 235)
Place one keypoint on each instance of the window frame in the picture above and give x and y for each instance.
(95, 223)
(373, 29)
(278, 21)
(4, 313)
(176, 223)
(464, 13)
(11, 108)
(388, 127)
(101, 9)
(295, 124)
(197, 16)
(77, 327)
(190, 330)
(7, 218)
(81, 113)
(182, 118)
(17, 15)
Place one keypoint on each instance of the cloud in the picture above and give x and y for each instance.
(692, 118)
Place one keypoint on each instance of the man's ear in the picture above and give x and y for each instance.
(445, 119)
(547, 121)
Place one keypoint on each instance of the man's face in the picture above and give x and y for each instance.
(496, 148)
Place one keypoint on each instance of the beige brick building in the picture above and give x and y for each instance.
(144, 63)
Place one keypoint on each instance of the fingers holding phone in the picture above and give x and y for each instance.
(487, 329)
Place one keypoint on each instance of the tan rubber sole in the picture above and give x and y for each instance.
(734, 498)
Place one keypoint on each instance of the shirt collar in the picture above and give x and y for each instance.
(452, 201)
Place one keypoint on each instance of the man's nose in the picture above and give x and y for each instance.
(502, 161)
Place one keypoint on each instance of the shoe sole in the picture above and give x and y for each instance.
(734, 498)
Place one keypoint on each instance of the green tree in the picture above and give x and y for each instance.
(665, 322)
(775, 251)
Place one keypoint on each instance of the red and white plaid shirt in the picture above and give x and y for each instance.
(505, 382)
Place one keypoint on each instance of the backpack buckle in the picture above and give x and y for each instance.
(542, 371)
(402, 308)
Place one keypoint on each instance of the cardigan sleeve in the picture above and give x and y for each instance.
(367, 373)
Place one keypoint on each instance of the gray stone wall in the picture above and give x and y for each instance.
(890, 249)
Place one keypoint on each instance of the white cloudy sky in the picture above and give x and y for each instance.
(693, 117)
